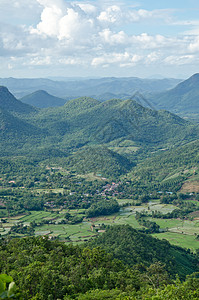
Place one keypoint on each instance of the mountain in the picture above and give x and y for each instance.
(42, 99)
(133, 247)
(86, 122)
(183, 99)
(100, 160)
(10, 103)
(114, 119)
(87, 87)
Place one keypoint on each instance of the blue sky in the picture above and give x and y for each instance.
(43, 38)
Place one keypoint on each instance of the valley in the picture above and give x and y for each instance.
(96, 178)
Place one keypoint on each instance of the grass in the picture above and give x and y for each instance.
(167, 223)
(77, 232)
(124, 150)
(182, 240)
(38, 216)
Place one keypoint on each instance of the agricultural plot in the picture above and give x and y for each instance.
(153, 206)
(181, 240)
(37, 216)
(90, 177)
(177, 231)
(191, 186)
(73, 233)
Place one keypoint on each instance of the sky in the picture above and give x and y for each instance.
(105, 38)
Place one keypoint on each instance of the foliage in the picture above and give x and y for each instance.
(133, 247)
(7, 287)
(103, 207)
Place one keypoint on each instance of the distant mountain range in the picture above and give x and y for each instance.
(87, 87)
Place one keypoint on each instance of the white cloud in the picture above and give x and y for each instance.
(180, 60)
(88, 8)
(112, 14)
(109, 37)
(40, 61)
(111, 59)
(64, 21)
(194, 45)
(71, 61)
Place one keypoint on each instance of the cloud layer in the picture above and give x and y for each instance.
(93, 35)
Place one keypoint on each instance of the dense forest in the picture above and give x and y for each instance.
(134, 266)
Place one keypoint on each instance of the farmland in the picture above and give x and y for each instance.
(177, 231)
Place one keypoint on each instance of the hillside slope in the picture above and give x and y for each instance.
(90, 121)
(168, 168)
(10, 103)
(99, 160)
(183, 99)
(133, 247)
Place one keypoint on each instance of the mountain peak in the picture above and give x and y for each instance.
(42, 99)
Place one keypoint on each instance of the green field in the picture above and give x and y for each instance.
(182, 240)
(38, 216)
(74, 233)
(177, 231)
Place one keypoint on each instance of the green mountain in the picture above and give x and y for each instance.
(42, 99)
(10, 103)
(100, 160)
(108, 96)
(183, 99)
(133, 247)
(90, 121)
(86, 121)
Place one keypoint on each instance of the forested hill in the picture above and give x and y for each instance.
(86, 120)
(100, 160)
(15, 128)
(133, 247)
(45, 270)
